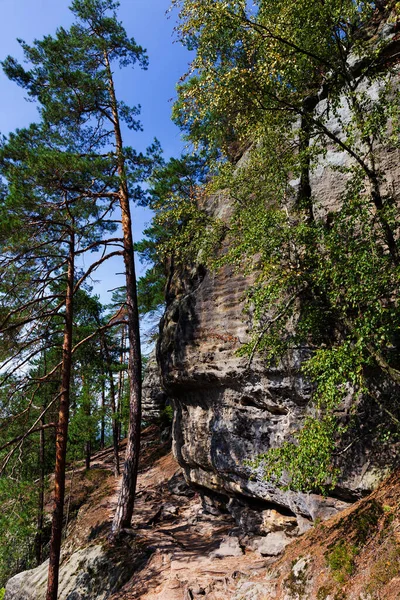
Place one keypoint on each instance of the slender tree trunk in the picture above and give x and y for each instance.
(107, 357)
(62, 433)
(39, 534)
(126, 499)
(304, 196)
(88, 452)
(375, 183)
(121, 382)
(103, 408)
(88, 445)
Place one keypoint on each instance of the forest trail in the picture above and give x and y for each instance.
(189, 552)
(178, 551)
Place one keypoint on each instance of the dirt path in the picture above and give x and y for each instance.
(179, 540)
(169, 519)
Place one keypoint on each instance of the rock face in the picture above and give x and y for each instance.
(227, 412)
(89, 574)
(154, 398)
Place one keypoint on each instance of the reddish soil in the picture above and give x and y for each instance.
(353, 556)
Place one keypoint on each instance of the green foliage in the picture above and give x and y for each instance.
(61, 181)
(252, 59)
(306, 463)
(167, 416)
(181, 233)
(151, 288)
(182, 228)
(17, 527)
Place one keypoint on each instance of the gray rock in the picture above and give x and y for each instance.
(303, 524)
(254, 591)
(299, 583)
(272, 544)
(89, 574)
(154, 398)
(169, 510)
(227, 412)
(224, 413)
(230, 546)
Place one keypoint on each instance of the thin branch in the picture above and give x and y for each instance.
(24, 435)
(19, 444)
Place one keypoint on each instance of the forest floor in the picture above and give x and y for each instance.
(187, 554)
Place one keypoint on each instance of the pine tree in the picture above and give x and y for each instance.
(49, 197)
(71, 77)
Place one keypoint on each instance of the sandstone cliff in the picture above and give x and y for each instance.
(227, 412)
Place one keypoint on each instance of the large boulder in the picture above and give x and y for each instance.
(93, 573)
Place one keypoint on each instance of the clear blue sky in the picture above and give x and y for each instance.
(147, 22)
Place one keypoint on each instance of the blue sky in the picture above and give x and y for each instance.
(153, 89)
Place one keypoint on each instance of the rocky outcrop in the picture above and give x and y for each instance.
(154, 398)
(227, 412)
(92, 573)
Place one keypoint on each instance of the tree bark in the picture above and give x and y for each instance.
(121, 382)
(39, 533)
(103, 408)
(88, 452)
(126, 499)
(62, 433)
(107, 357)
(88, 445)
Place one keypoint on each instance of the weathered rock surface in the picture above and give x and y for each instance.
(92, 573)
(230, 546)
(272, 544)
(154, 398)
(227, 412)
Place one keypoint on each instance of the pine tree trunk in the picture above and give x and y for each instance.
(62, 434)
(88, 445)
(39, 533)
(113, 405)
(103, 408)
(121, 382)
(126, 499)
(88, 452)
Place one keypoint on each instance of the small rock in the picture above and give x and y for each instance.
(275, 521)
(253, 591)
(197, 590)
(229, 546)
(169, 510)
(303, 524)
(272, 544)
(299, 567)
